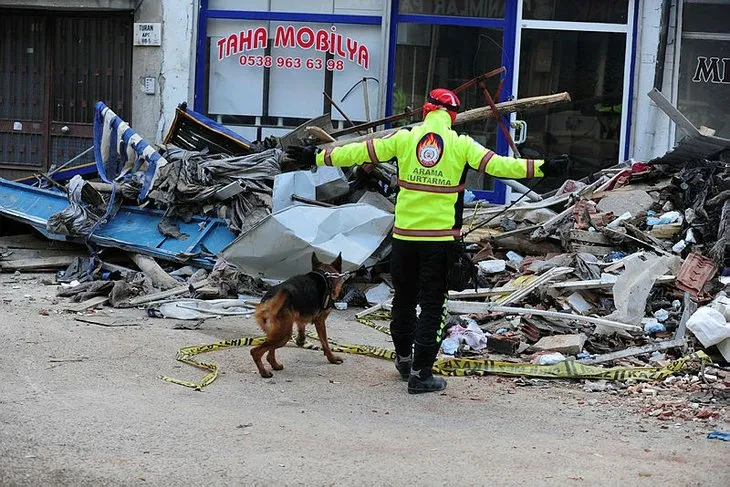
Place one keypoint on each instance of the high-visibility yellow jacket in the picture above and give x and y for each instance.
(433, 161)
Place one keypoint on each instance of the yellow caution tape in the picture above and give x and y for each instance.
(569, 369)
(185, 355)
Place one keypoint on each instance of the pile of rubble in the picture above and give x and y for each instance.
(604, 270)
(627, 267)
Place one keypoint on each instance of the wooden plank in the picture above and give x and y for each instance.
(374, 308)
(108, 320)
(29, 254)
(689, 308)
(89, 303)
(36, 264)
(522, 293)
(167, 294)
(157, 275)
(562, 286)
(474, 115)
(30, 241)
(466, 307)
(599, 284)
(675, 115)
(633, 351)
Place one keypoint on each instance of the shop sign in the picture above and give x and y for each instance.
(708, 70)
(305, 38)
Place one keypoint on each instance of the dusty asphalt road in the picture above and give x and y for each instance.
(83, 405)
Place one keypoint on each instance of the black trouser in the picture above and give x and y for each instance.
(419, 270)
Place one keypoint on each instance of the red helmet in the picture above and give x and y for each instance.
(441, 98)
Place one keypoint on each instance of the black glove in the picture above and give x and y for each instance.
(557, 166)
(298, 158)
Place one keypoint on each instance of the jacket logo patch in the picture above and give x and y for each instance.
(430, 149)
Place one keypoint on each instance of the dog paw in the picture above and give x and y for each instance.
(300, 342)
(277, 366)
(334, 359)
(266, 374)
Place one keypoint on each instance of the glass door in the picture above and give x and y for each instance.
(445, 44)
(584, 48)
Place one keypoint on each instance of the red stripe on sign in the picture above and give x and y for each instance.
(430, 188)
(449, 232)
(485, 161)
(371, 151)
(328, 157)
(530, 168)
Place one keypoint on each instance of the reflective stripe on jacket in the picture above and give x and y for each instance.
(432, 165)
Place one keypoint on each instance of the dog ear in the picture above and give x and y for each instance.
(315, 261)
(337, 263)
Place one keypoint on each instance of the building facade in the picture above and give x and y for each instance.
(263, 67)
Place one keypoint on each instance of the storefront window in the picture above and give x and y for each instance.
(433, 56)
(274, 73)
(606, 11)
(704, 68)
(461, 8)
(590, 67)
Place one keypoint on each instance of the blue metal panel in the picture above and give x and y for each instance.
(132, 228)
(295, 17)
(201, 55)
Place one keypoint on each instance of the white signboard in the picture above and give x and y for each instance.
(147, 34)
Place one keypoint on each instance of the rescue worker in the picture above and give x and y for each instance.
(432, 165)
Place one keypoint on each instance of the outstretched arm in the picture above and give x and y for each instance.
(370, 151)
(486, 161)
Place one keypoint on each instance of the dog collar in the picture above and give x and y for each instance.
(327, 301)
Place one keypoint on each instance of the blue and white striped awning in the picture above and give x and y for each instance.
(121, 153)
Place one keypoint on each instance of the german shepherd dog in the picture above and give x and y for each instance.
(302, 299)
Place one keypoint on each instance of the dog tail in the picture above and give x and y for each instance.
(270, 310)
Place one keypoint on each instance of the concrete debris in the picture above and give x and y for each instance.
(636, 202)
(567, 344)
(607, 270)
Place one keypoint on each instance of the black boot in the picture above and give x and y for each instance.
(430, 383)
(403, 366)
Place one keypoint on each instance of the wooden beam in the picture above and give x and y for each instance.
(633, 351)
(466, 307)
(36, 264)
(675, 115)
(167, 294)
(160, 279)
(89, 303)
(474, 115)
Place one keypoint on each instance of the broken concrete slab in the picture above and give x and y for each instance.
(635, 202)
(566, 344)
